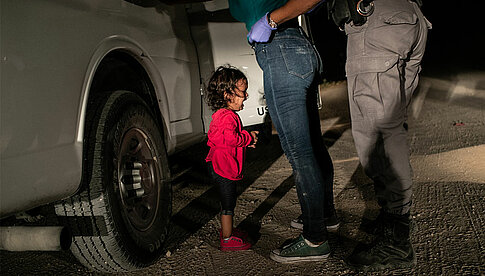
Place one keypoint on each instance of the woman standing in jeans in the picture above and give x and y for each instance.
(290, 66)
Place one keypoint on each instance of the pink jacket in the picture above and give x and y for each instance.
(227, 142)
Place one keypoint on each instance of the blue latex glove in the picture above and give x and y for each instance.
(260, 31)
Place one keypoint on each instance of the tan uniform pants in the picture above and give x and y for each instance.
(383, 63)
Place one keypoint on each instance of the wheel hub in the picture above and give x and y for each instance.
(139, 175)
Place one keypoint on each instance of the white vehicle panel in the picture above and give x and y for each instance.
(45, 58)
(230, 46)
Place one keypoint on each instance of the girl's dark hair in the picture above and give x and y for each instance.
(223, 80)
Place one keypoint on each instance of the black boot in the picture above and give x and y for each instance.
(376, 226)
(391, 250)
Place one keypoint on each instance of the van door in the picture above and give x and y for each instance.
(220, 40)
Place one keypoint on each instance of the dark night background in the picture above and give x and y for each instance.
(455, 44)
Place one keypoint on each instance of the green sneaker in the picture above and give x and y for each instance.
(299, 251)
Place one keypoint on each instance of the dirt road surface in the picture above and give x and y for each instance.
(447, 139)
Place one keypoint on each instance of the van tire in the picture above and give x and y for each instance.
(119, 218)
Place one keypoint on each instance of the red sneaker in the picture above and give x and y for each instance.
(234, 244)
(237, 233)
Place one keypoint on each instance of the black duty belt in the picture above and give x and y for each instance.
(356, 11)
(366, 7)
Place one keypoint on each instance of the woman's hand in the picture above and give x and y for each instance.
(261, 31)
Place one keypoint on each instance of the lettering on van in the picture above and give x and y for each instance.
(262, 110)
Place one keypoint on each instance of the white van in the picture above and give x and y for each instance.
(94, 96)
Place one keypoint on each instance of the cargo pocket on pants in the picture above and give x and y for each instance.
(369, 78)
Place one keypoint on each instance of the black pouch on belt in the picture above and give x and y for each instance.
(344, 11)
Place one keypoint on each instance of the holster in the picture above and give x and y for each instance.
(344, 11)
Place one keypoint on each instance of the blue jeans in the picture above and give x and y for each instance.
(290, 66)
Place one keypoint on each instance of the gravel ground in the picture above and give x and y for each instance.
(447, 134)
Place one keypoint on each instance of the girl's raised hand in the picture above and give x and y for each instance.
(254, 134)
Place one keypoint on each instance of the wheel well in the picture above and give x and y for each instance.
(117, 71)
(121, 71)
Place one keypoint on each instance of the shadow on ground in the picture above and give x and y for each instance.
(203, 208)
